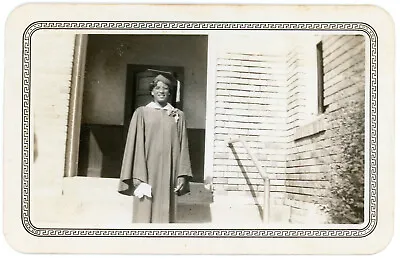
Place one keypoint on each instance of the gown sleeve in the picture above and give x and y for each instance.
(184, 167)
(134, 167)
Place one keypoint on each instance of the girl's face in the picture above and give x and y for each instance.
(160, 93)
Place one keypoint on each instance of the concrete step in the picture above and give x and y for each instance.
(94, 202)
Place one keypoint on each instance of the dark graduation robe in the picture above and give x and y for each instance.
(156, 152)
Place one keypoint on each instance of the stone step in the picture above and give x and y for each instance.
(95, 202)
(92, 212)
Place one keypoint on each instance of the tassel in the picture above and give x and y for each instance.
(178, 91)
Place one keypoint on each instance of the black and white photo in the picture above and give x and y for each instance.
(161, 129)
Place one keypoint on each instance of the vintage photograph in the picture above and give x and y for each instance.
(285, 141)
(207, 130)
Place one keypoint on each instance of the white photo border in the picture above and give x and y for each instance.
(340, 27)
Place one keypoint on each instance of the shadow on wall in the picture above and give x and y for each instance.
(35, 148)
(252, 191)
(101, 151)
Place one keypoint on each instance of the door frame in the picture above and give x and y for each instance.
(75, 106)
(210, 111)
(76, 99)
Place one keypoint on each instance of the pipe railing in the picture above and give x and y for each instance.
(261, 172)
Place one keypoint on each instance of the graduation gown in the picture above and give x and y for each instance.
(156, 152)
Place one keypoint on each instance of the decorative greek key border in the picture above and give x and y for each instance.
(214, 233)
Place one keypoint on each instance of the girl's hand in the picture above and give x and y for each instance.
(143, 189)
(181, 187)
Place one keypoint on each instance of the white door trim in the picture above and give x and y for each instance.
(210, 112)
(75, 106)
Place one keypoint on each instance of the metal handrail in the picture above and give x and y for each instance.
(261, 172)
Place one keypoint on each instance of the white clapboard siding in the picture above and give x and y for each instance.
(250, 104)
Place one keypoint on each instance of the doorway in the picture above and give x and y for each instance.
(112, 93)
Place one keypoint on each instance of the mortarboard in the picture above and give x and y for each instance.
(169, 79)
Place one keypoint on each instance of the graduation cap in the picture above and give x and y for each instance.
(168, 78)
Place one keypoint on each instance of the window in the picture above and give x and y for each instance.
(314, 109)
(320, 79)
